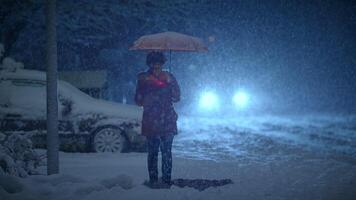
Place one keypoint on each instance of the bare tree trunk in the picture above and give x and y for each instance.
(52, 101)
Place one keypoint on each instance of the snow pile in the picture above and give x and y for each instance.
(17, 156)
(50, 187)
(9, 63)
(123, 181)
(10, 184)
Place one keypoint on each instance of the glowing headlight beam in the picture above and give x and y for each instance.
(240, 99)
(209, 101)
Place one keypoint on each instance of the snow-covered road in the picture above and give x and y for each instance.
(264, 138)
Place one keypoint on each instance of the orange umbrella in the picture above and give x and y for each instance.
(169, 41)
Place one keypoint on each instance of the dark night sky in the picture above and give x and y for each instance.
(299, 54)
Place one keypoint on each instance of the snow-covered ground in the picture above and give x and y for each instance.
(266, 137)
(269, 157)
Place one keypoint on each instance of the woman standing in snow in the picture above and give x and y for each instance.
(156, 91)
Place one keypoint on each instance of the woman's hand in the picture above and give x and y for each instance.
(164, 76)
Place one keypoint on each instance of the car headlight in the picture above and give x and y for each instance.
(241, 99)
(209, 101)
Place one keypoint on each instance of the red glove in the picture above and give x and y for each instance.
(161, 82)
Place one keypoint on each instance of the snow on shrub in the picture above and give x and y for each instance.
(17, 156)
(9, 63)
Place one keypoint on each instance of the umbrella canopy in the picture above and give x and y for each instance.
(169, 41)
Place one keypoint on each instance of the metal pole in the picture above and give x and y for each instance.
(52, 101)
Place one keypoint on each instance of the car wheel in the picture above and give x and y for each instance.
(109, 140)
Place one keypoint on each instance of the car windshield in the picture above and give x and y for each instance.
(73, 93)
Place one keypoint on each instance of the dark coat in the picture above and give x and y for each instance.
(157, 94)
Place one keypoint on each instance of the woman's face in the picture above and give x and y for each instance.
(157, 66)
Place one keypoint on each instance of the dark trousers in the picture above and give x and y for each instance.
(165, 144)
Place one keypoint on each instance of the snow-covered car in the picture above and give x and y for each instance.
(85, 123)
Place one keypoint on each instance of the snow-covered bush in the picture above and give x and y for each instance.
(9, 63)
(17, 156)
